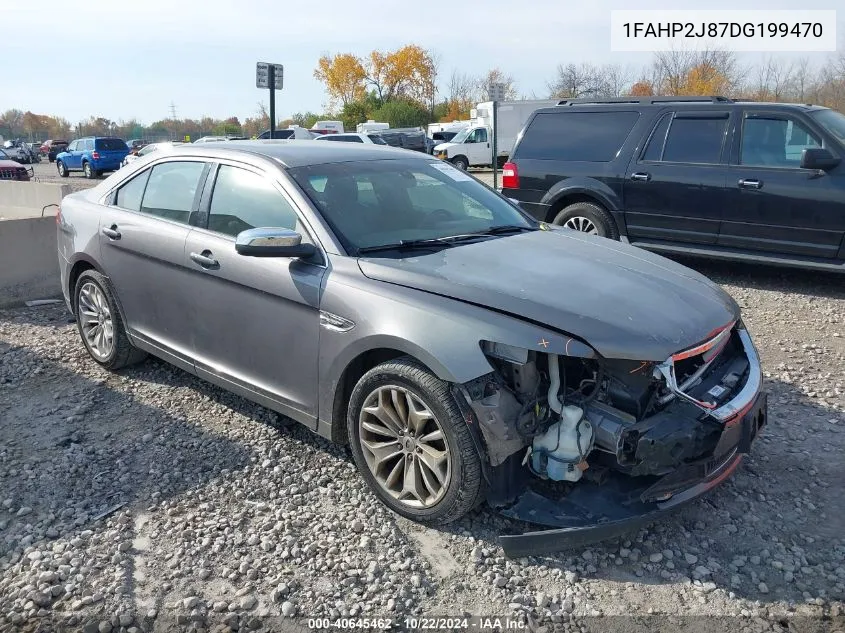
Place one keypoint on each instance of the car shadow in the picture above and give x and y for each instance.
(768, 277)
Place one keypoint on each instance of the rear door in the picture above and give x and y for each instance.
(674, 188)
(142, 236)
(258, 318)
(774, 206)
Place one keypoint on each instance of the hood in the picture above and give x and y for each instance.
(625, 302)
(443, 146)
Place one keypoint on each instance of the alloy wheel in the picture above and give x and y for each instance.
(582, 224)
(95, 321)
(404, 447)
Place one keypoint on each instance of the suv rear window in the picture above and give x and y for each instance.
(106, 144)
(576, 136)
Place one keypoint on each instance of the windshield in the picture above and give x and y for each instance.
(380, 202)
(461, 136)
(832, 121)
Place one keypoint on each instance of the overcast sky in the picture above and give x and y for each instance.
(122, 59)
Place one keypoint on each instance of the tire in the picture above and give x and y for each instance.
(463, 486)
(62, 168)
(93, 295)
(89, 172)
(588, 218)
(461, 162)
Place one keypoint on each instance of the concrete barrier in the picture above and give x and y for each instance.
(29, 266)
(26, 199)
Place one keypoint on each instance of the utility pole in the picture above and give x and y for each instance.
(172, 110)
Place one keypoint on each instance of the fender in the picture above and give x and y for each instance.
(583, 186)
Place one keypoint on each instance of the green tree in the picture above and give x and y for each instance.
(402, 113)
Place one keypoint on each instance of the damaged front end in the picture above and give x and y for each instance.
(589, 447)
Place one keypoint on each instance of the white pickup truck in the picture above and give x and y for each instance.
(473, 146)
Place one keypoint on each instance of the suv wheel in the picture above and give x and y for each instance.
(411, 444)
(460, 162)
(587, 217)
(87, 170)
(100, 325)
(62, 169)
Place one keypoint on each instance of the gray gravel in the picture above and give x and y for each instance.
(150, 500)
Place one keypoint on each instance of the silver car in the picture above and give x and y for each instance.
(386, 299)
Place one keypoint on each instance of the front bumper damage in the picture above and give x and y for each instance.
(593, 510)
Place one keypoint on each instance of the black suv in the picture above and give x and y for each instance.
(703, 175)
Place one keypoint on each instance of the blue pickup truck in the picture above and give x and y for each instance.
(92, 156)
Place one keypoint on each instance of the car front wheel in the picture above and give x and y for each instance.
(587, 217)
(100, 324)
(411, 444)
(62, 169)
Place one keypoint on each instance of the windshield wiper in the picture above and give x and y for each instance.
(447, 240)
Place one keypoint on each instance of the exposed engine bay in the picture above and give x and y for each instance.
(570, 418)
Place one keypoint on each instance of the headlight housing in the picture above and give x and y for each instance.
(510, 353)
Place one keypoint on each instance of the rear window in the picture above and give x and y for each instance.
(106, 144)
(576, 136)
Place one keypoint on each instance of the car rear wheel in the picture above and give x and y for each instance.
(589, 218)
(460, 162)
(88, 170)
(411, 444)
(100, 324)
(62, 169)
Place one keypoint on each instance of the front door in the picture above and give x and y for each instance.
(257, 326)
(675, 188)
(73, 159)
(142, 236)
(774, 206)
(478, 147)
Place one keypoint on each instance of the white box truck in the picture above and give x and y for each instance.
(371, 126)
(473, 146)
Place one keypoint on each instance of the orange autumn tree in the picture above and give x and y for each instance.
(408, 72)
(343, 76)
(642, 89)
(704, 79)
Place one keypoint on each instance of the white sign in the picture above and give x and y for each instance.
(496, 91)
(262, 75)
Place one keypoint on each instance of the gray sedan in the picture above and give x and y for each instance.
(387, 300)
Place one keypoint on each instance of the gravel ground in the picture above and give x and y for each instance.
(45, 171)
(150, 500)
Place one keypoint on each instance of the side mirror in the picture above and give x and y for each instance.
(818, 158)
(272, 242)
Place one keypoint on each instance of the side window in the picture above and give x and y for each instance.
(171, 190)
(89, 145)
(695, 140)
(654, 149)
(481, 135)
(71, 147)
(244, 200)
(774, 142)
(576, 136)
(129, 195)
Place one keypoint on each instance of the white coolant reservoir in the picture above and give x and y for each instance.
(559, 452)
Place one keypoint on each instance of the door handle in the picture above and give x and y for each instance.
(111, 232)
(205, 259)
(746, 183)
(640, 175)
